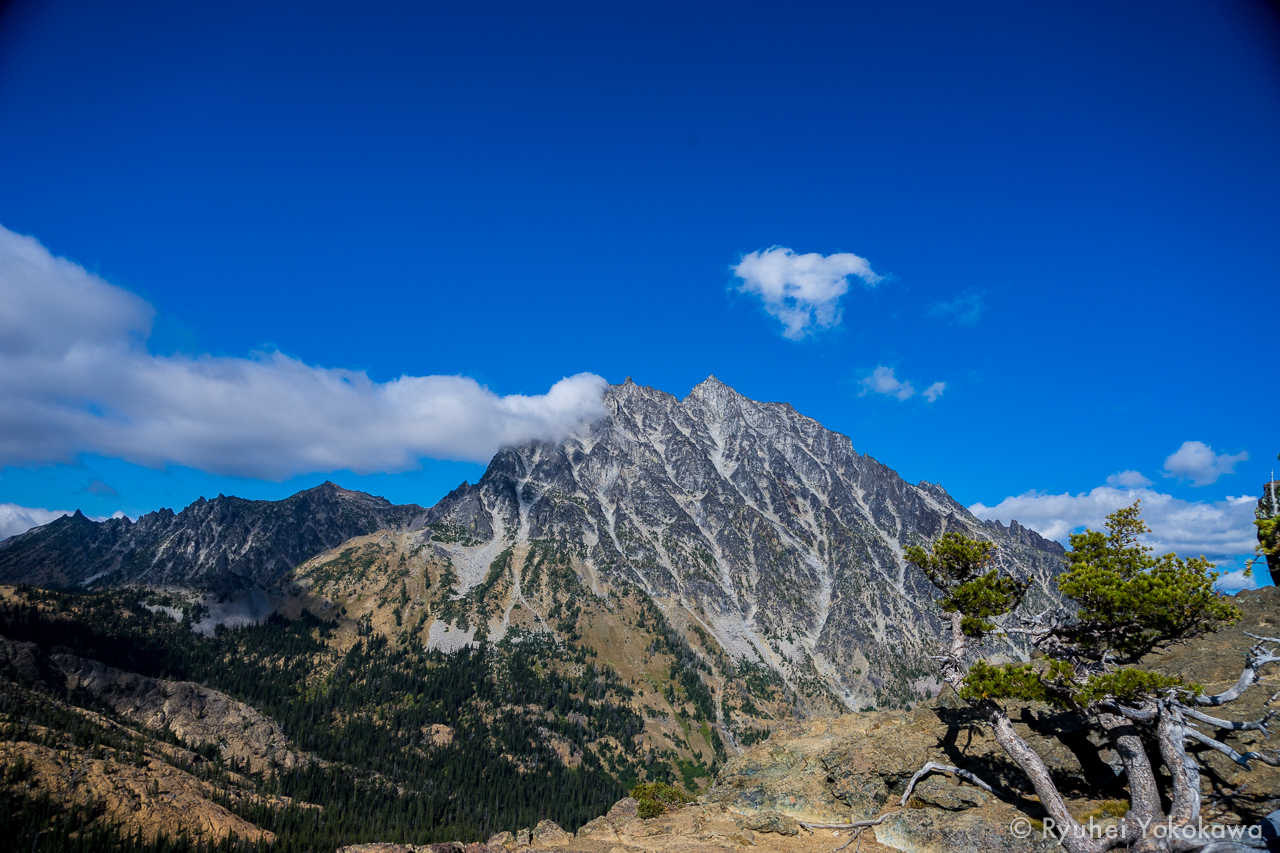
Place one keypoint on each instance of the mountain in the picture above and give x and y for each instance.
(225, 544)
(744, 520)
(639, 601)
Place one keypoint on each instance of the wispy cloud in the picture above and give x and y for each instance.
(883, 381)
(964, 310)
(1196, 461)
(803, 291)
(97, 487)
(76, 377)
(1219, 530)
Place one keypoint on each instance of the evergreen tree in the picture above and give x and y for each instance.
(1127, 603)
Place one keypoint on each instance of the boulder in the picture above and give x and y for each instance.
(548, 833)
(624, 809)
(945, 793)
(770, 822)
(599, 829)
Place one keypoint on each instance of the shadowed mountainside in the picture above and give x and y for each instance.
(226, 543)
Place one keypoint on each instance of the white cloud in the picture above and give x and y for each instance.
(1219, 530)
(16, 519)
(1128, 480)
(964, 310)
(1233, 578)
(803, 291)
(882, 381)
(1196, 461)
(76, 377)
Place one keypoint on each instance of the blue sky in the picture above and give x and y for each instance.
(1066, 212)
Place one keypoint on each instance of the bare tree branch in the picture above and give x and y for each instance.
(1243, 760)
(855, 825)
(931, 766)
(1257, 657)
(1231, 725)
(1138, 715)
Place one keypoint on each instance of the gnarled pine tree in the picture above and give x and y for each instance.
(1128, 603)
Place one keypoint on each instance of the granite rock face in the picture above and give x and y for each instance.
(196, 714)
(753, 523)
(227, 543)
(148, 796)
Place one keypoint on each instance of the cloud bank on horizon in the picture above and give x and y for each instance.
(803, 291)
(76, 377)
(1220, 530)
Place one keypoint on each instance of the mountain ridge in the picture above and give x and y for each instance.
(222, 544)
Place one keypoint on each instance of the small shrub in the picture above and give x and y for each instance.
(654, 798)
(1106, 809)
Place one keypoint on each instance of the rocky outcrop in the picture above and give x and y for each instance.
(196, 715)
(751, 522)
(27, 665)
(148, 795)
(222, 544)
(856, 767)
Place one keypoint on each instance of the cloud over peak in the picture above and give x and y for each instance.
(76, 377)
(803, 291)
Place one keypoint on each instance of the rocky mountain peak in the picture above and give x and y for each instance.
(750, 521)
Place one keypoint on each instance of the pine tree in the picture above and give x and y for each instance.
(1128, 603)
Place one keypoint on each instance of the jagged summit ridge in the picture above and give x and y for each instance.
(749, 520)
(225, 543)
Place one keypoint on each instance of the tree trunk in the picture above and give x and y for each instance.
(1184, 770)
(1074, 840)
(1144, 795)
